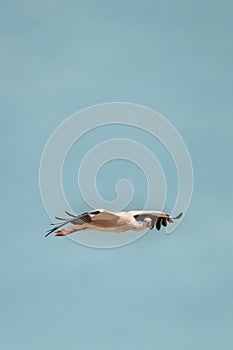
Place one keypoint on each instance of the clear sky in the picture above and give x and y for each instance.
(161, 292)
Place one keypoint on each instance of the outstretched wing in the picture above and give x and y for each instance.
(87, 217)
(158, 218)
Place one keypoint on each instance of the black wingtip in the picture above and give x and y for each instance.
(158, 223)
(178, 216)
(73, 216)
(50, 231)
(164, 222)
(47, 234)
(95, 212)
(58, 218)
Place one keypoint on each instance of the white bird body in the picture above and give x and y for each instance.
(106, 221)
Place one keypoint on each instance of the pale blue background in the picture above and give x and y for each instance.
(162, 292)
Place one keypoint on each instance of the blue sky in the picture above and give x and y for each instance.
(162, 291)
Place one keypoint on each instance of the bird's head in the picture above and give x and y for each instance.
(148, 223)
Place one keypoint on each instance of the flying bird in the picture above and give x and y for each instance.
(107, 221)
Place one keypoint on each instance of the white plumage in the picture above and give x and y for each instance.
(103, 220)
